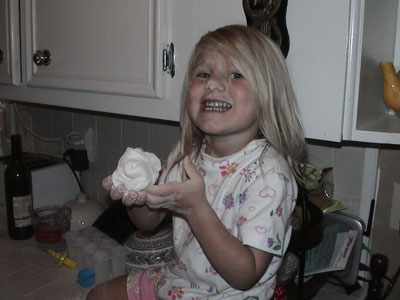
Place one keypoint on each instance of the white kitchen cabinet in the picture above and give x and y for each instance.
(98, 46)
(366, 117)
(334, 56)
(10, 72)
(128, 76)
(335, 49)
(317, 61)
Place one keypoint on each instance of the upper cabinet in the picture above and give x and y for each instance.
(335, 50)
(10, 66)
(116, 57)
(366, 116)
(109, 56)
(97, 46)
(317, 62)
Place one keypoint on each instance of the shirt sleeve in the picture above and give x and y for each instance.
(264, 217)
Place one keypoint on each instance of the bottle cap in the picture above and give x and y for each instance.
(86, 277)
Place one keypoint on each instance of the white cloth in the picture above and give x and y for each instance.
(254, 206)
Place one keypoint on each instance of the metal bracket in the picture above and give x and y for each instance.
(169, 59)
(269, 16)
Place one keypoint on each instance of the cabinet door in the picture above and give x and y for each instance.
(9, 43)
(95, 45)
(317, 61)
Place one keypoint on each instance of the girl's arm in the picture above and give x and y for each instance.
(240, 265)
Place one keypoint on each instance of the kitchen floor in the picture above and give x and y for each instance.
(27, 273)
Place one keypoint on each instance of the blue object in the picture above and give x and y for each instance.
(86, 277)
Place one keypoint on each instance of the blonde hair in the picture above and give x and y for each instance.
(261, 62)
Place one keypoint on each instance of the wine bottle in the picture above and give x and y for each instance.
(18, 186)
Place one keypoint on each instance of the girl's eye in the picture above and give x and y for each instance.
(202, 75)
(236, 75)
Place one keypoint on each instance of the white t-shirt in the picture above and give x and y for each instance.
(254, 207)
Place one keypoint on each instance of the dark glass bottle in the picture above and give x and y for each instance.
(18, 185)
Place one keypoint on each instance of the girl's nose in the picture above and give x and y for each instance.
(214, 83)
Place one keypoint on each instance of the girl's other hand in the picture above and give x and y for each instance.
(181, 197)
(129, 197)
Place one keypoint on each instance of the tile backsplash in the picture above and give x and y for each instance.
(113, 133)
(347, 162)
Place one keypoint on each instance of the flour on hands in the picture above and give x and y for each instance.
(136, 170)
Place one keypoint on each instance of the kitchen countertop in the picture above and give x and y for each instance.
(27, 273)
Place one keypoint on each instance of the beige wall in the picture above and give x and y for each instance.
(112, 134)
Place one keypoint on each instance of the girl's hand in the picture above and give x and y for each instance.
(176, 196)
(128, 197)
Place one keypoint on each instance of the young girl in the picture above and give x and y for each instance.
(230, 183)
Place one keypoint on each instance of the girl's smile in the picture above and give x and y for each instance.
(216, 106)
(220, 100)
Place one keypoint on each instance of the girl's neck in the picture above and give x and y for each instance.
(221, 146)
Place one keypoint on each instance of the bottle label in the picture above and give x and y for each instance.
(22, 210)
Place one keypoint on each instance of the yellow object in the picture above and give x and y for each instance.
(311, 176)
(325, 204)
(63, 259)
(391, 86)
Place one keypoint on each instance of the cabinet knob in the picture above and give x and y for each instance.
(1, 56)
(42, 57)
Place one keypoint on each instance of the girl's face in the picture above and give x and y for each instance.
(220, 100)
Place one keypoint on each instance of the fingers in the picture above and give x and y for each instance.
(107, 183)
(161, 190)
(141, 198)
(130, 198)
(118, 192)
(159, 195)
(191, 170)
(157, 200)
(115, 193)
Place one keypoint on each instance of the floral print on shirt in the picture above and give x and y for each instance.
(175, 292)
(240, 221)
(229, 201)
(227, 169)
(254, 207)
(277, 244)
(243, 196)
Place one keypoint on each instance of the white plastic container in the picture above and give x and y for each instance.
(79, 243)
(70, 238)
(118, 260)
(88, 251)
(101, 265)
(95, 250)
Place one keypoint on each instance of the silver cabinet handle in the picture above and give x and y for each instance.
(169, 59)
(41, 58)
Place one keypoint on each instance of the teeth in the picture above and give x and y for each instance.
(216, 106)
